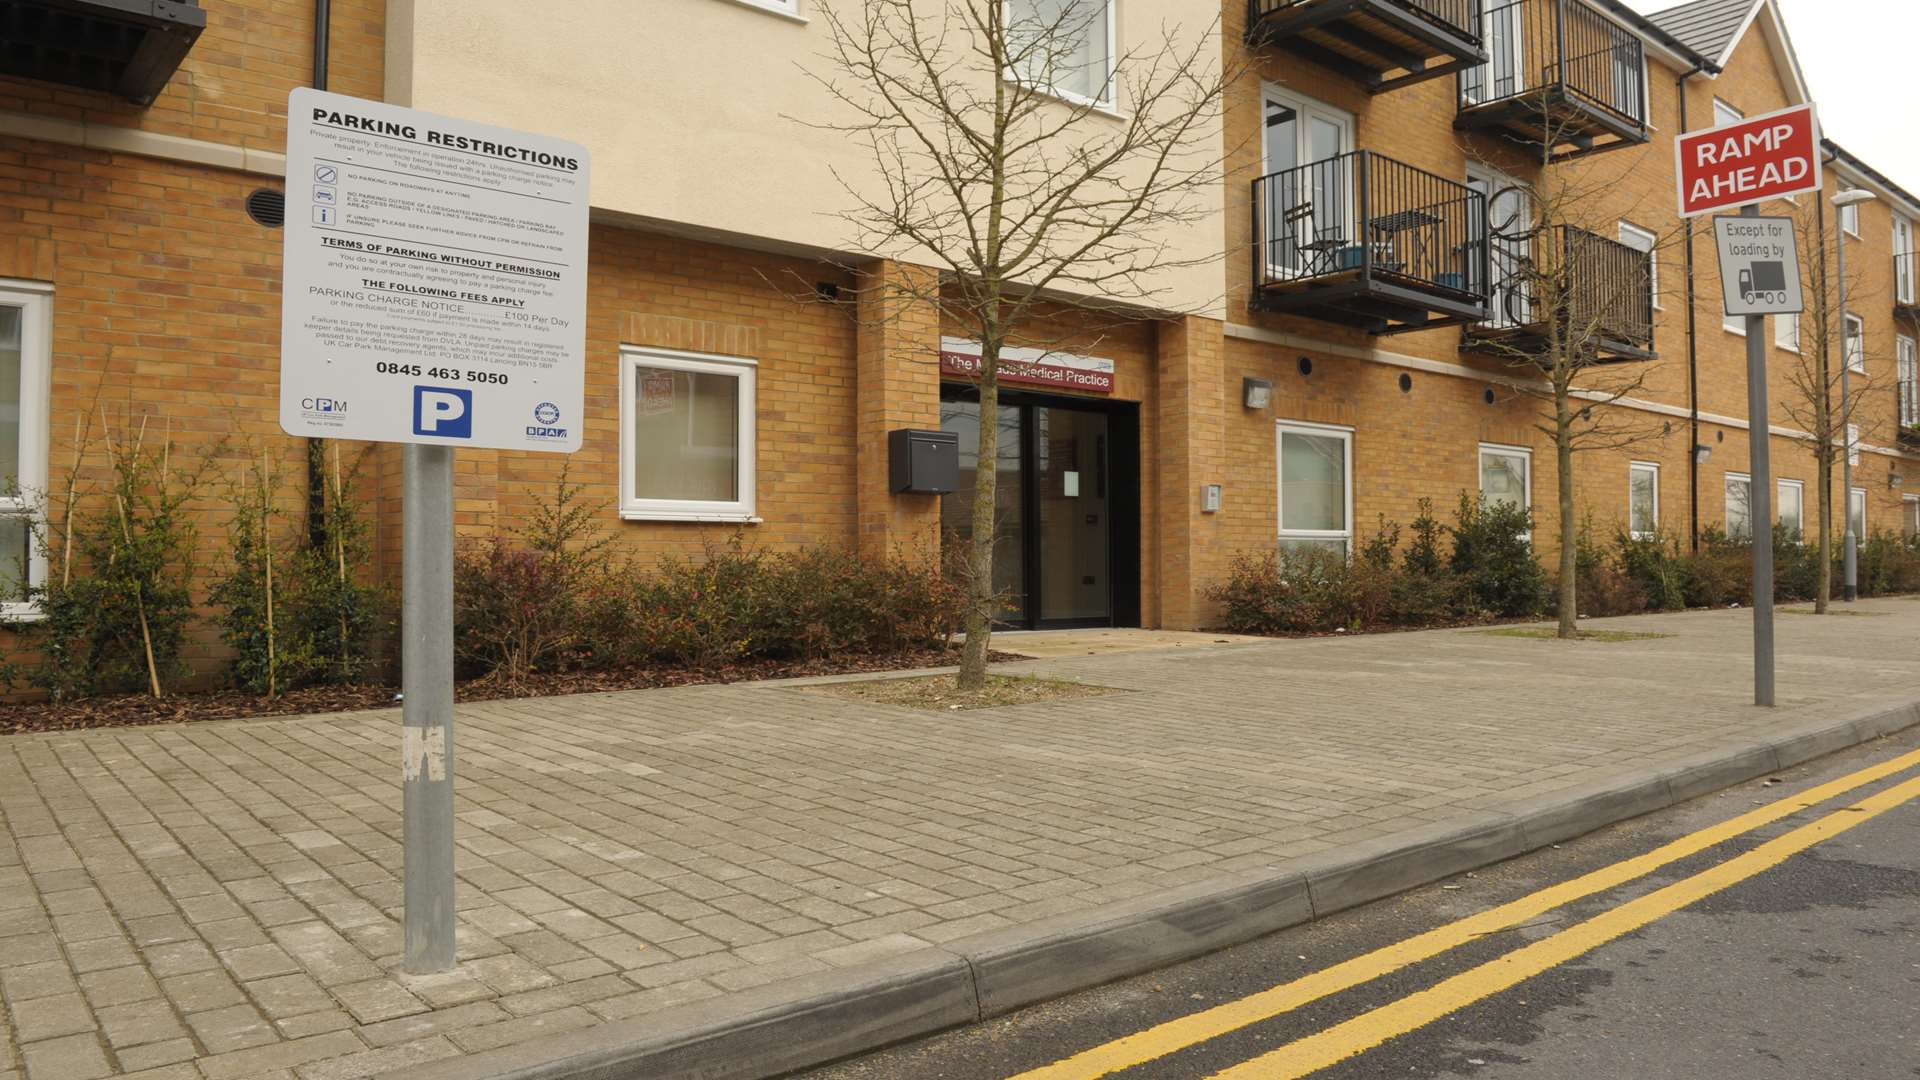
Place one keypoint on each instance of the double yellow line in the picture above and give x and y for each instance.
(1373, 1028)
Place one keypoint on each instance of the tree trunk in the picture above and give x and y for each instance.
(986, 481)
(1823, 591)
(1569, 528)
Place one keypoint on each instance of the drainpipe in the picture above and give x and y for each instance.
(1693, 353)
(317, 448)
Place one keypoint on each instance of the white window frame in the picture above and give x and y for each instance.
(1861, 494)
(1799, 488)
(742, 509)
(1853, 445)
(1856, 359)
(1903, 260)
(1524, 453)
(1298, 427)
(1109, 79)
(1639, 467)
(35, 301)
(1908, 370)
(1726, 516)
(1786, 332)
(1850, 220)
(1910, 514)
(1652, 239)
(788, 8)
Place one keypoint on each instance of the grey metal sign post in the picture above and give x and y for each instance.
(434, 294)
(1760, 273)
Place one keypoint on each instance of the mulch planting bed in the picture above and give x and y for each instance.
(139, 709)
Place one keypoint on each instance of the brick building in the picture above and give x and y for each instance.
(1332, 357)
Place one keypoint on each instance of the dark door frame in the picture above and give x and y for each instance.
(1122, 468)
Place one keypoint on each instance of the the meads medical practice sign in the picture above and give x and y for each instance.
(1759, 158)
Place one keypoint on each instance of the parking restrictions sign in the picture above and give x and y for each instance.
(435, 279)
(1759, 265)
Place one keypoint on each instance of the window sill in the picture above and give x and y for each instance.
(771, 9)
(15, 614)
(690, 516)
(1064, 97)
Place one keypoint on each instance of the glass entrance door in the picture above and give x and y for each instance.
(1070, 478)
(1066, 505)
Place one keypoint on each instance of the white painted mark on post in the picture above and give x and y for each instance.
(423, 752)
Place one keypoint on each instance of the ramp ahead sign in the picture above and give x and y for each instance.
(1760, 158)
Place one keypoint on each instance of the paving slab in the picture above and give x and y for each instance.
(759, 874)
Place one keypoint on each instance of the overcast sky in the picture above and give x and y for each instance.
(1861, 64)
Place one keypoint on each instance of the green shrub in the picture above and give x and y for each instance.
(1655, 565)
(1604, 585)
(116, 609)
(1494, 560)
(1888, 563)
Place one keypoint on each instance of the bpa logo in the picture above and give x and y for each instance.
(443, 411)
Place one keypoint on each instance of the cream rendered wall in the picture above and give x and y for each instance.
(689, 108)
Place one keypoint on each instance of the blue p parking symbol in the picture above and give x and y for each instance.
(443, 411)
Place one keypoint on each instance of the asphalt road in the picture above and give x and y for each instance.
(1806, 969)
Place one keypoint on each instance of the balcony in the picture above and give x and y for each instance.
(1365, 241)
(1560, 75)
(1906, 286)
(1381, 44)
(128, 48)
(1609, 296)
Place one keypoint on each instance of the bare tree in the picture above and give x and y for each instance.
(1813, 400)
(997, 160)
(1573, 312)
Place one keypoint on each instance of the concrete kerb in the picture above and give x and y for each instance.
(798, 1023)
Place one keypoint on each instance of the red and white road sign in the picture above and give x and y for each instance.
(1759, 158)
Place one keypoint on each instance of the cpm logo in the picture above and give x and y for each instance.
(443, 411)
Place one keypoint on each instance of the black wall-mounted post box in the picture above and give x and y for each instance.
(923, 462)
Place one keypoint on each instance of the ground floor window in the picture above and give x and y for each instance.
(25, 314)
(1643, 499)
(687, 436)
(1506, 475)
(1910, 515)
(1739, 506)
(1792, 509)
(1316, 487)
(1857, 512)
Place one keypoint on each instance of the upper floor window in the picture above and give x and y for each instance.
(687, 436)
(1850, 219)
(1857, 343)
(1909, 374)
(1064, 47)
(1903, 284)
(779, 7)
(1724, 114)
(1644, 240)
(1786, 332)
(25, 360)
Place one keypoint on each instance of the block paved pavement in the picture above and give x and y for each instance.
(220, 900)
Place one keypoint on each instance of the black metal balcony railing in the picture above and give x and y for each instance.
(1609, 290)
(1906, 282)
(1368, 241)
(1383, 44)
(1562, 68)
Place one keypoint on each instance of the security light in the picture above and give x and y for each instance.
(1258, 393)
(1701, 452)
